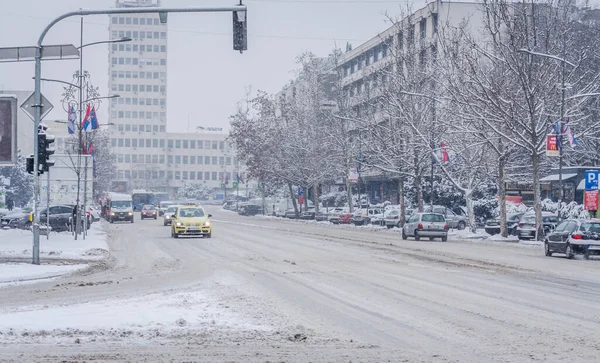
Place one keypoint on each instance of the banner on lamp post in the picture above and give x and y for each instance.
(353, 175)
(552, 145)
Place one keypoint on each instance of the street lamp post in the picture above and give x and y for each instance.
(236, 9)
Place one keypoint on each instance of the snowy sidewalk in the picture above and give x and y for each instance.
(59, 255)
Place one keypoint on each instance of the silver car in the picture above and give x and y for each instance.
(432, 225)
(454, 220)
(168, 215)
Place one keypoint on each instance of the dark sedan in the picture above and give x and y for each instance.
(250, 210)
(574, 236)
(492, 226)
(18, 219)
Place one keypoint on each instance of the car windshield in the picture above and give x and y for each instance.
(590, 227)
(120, 204)
(172, 209)
(191, 212)
(432, 218)
(148, 207)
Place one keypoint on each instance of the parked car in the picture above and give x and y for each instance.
(60, 217)
(168, 215)
(574, 236)
(323, 215)
(342, 218)
(364, 216)
(148, 211)
(308, 214)
(16, 219)
(432, 225)
(290, 213)
(492, 226)
(526, 227)
(454, 220)
(391, 218)
(250, 210)
(335, 213)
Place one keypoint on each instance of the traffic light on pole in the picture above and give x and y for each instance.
(29, 164)
(240, 31)
(45, 149)
(41, 152)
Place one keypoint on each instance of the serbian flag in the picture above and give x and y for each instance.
(86, 124)
(91, 149)
(445, 158)
(72, 118)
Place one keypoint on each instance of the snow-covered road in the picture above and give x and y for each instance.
(274, 290)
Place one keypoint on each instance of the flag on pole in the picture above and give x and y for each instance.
(445, 157)
(94, 119)
(91, 149)
(72, 117)
(86, 124)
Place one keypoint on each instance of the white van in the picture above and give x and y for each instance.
(121, 208)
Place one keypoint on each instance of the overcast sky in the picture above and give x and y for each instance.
(206, 78)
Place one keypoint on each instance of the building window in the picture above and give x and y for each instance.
(434, 21)
(141, 142)
(185, 144)
(163, 62)
(170, 144)
(423, 28)
(161, 159)
(411, 35)
(120, 142)
(134, 142)
(148, 143)
(215, 144)
(177, 159)
(161, 174)
(185, 159)
(169, 175)
(178, 144)
(401, 40)
(228, 160)
(128, 158)
(114, 20)
(199, 175)
(148, 159)
(120, 158)
(142, 21)
(214, 160)
(170, 159)
(192, 144)
(162, 143)
(121, 20)
(113, 142)
(214, 175)
(185, 175)
(221, 160)
(192, 175)
(127, 142)
(128, 20)
(192, 160)
(154, 159)
(177, 175)
(134, 158)
(155, 143)
(221, 145)
(207, 160)
(199, 160)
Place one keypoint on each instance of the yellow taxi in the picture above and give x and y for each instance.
(191, 220)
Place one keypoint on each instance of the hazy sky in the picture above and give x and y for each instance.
(206, 78)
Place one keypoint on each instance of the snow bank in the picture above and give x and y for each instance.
(19, 243)
(16, 273)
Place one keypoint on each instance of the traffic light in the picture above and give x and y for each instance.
(45, 149)
(29, 164)
(240, 31)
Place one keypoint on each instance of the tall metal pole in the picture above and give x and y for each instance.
(560, 125)
(37, 98)
(48, 204)
(80, 128)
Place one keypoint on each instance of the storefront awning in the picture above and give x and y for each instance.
(555, 177)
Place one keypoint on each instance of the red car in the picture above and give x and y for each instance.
(149, 211)
(342, 218)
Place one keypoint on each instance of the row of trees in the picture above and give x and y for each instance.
(489, 91)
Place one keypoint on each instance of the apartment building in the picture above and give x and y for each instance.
(365, 67)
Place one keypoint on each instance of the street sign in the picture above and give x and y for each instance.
(590, 200)
(235, 185)
(301, 199)
(29, 110)
(591, 180)
(222, 185)
(300, 191)
(353, 175)
(552, 146)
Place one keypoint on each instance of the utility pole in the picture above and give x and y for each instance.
(560, 124)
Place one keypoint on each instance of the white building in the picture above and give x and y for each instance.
(147, 156)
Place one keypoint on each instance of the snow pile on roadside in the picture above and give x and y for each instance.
(164, 314)
(467, 234)
(19, 243)
(17, 273)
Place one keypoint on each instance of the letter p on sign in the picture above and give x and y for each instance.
(591, 180)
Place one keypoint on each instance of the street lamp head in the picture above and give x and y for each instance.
(123, 39)
(114, 96)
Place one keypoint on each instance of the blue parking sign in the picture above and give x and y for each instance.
(591, 180)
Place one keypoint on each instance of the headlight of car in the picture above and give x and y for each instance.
(167, 217)
(206, 224)
(130, 213)
(179, 224)
(112, 213)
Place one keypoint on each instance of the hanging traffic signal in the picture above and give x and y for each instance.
(240, 30)
(41, 152)
(45, 149)
(29, 164)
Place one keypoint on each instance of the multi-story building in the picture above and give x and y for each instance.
(148, 156)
